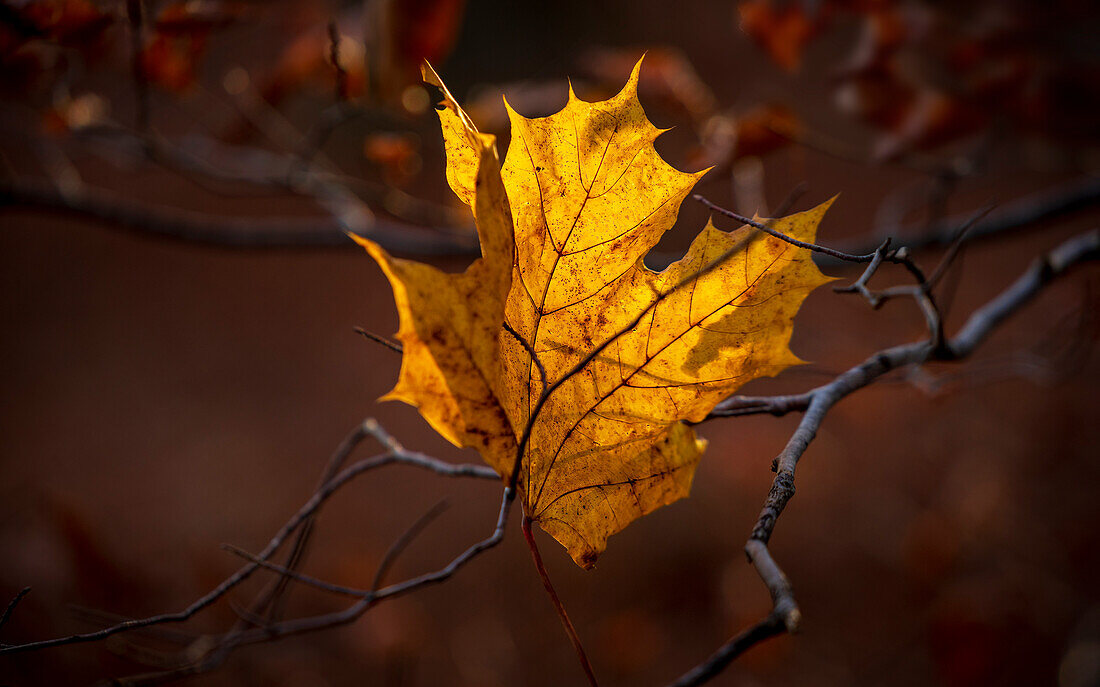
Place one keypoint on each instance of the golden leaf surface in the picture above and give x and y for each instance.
(449, 322)
(629, 354)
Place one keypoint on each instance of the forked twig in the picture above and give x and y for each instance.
(785, 615)
(319, 497)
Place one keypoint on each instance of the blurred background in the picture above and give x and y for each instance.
(179, 359)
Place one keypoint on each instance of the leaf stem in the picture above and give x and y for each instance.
(565, 621)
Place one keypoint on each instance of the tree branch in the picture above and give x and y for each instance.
(785, 616)
(396, 454)
(225, 232)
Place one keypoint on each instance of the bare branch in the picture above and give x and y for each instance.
(271, 600)
(1043, 270)
(718, 661)
(370, 427)
(860, 285)
(350, 614)
(736, 406)
(956, 245)
(295, 575)
(226, 232)
(785, 616)
(848, 257)
(229, 583)
(387, 561)
(921, 293)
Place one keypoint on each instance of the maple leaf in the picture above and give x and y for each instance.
(450, 323)
(623, 355)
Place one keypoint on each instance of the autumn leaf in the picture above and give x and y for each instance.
(450, 367)
(171, 57)
(623, 355)
(783, 30)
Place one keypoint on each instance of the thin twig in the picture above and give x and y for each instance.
(1042, 271)
(327, 620)
(956, 245)
(295, 575)
(311, 506)
(763, 226)
(334, 57)
(135, 13)
(402, 542)
(230, 582)
(736, 406)
(793, 196)
(379, 339)
(707, 670)
(271, 600)
(12, 604)
(388, 560)
(860, 285)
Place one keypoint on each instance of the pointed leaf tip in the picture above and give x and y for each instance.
(636, 352)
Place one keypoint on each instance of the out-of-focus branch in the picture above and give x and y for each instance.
(221, 231)
(368, 599)
(392, 553)
(334, 57)
(1010, 216)
(135, 13)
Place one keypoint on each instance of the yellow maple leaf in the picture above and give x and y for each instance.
(628, 354)
(449, 323)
